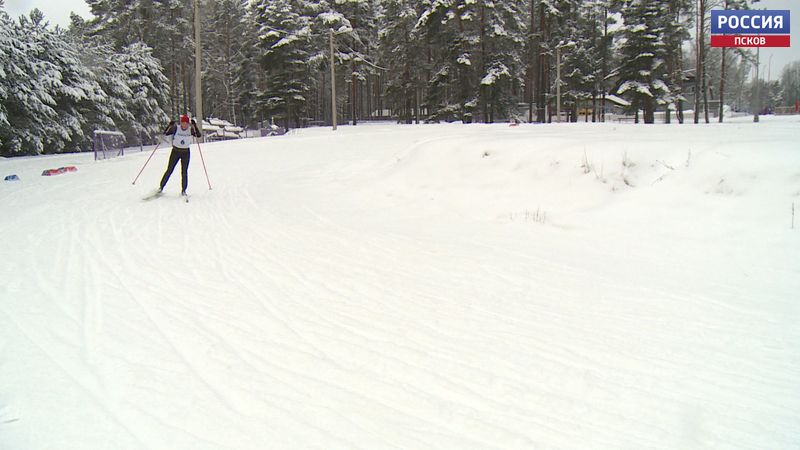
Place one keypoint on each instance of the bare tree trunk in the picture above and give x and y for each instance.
(679, 103)
(530, 78)
(543, 66)
(186, 84)
(705, 97)
(353, 97)
(379, 93)
(703, 58)
(173, 88)
(483, 90)
(418, 96)
(368, 98)
(698, 75)
(604, 68)
(722, 88)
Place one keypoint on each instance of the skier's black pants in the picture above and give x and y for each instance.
(182, 155)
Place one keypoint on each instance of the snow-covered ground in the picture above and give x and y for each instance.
(571, 286)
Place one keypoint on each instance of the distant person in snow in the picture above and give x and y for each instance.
(181, 137)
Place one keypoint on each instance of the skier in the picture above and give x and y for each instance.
(181, 140)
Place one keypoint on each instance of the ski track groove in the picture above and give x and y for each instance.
(98, 399)
(367, 339)
(286, 411)
(284, 321)
(176, 351)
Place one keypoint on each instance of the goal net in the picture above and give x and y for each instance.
(108, 144)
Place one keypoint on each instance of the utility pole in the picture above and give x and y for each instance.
(198, 82)
(333, 85)
(558, 75)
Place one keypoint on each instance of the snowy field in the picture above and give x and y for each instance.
(571, 286)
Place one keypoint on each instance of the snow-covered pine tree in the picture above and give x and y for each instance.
(28, 86)
(285, 33)
(476, 58)
(578, 34)
(114, 111)
(75, 92)
(676, 20)
(6, 51)
(643, 51)
(224, 40)
(606, 11)
(149, 89)
(436, 37)
(534, 57)
(402, 53)
(165, 26)
(501, 29)
(248, 74)
(355, 46)
(450, 28)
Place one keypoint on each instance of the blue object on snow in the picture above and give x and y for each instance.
(12, 178)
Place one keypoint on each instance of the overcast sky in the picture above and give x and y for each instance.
(57, 13)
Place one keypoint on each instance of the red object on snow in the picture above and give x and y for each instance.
(51, 172)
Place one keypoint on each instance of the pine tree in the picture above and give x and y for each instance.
(7, 64)
(643, 53)
(355, 43)
(75, 94)
(606, 11)
(501, 36)
(164, 25)
(114, 111)
(451, 29)
(790, 83)
(223, 43)
(29, 86)
(439, 43)
(248, 73)
(402, 53)
(676, 23)
(149, 90)
(285, 38)
(578, 28)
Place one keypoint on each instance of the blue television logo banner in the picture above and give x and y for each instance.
(750, 22)
(750, 28)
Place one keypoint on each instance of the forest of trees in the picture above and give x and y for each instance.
(131, 67)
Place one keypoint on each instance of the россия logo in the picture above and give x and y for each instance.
(750, 28)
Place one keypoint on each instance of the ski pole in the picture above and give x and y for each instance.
(204, 163)
(145, 163)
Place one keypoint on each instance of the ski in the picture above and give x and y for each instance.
(153, 195)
